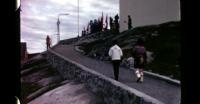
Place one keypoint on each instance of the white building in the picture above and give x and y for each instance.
(148, 12)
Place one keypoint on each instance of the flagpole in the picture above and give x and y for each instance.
(78, 18)
(58, 26)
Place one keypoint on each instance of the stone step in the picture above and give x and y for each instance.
(29, 70)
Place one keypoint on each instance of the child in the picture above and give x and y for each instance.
(139, 54)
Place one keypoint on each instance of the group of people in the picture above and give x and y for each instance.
(97, 25)
(94, 26)
(138, 53)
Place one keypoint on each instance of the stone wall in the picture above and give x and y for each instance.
(111, 91)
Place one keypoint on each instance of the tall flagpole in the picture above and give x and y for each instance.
(58, 26)
(78, 18)
(58, 29)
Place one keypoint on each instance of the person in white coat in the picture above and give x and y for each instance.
(116, 54)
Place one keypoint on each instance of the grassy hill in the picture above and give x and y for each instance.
(166, 48)
(162, 40)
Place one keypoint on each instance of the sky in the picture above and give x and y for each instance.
(39, 18)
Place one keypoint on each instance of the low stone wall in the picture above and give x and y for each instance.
(111, 91)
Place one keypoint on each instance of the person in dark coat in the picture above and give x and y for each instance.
(129, 22)
(48, 42)
(111, 23)
(116, 21)
(140, 59)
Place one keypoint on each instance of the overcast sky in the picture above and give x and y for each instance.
(39, 17)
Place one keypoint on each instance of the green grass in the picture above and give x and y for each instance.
(34, 63)
(26, 89)
(51, 72)
(166, 48)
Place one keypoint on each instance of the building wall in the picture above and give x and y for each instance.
(24, 54)
(148, 12)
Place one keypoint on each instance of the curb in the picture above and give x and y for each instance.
(162, 77)
(79, 50)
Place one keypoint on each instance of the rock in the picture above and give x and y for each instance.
(49, 80)
(171, 76)
(177, 66)
(129, 62)
(149, 56)
(154, 34)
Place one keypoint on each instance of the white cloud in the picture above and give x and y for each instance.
(39, 17)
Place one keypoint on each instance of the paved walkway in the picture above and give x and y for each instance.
(161, 90)
(70, 93)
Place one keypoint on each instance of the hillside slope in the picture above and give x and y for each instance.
(162, 40)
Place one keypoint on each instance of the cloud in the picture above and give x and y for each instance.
(39, 18)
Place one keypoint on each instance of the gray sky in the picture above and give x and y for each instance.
(39, 17)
